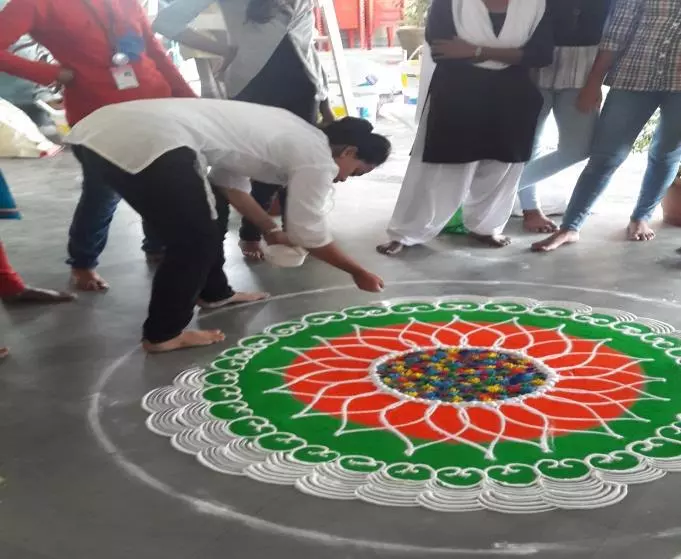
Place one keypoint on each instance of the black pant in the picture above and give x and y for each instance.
(170, 194)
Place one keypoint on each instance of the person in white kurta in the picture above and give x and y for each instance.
(274, 62)
(156, 155)
(478, 123)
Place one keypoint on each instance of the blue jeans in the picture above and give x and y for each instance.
(90, 225)
(624, 115)
(575, 132)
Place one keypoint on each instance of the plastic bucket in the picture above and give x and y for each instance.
(367, 99)
(411, 75)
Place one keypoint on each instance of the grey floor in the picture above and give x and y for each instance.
(84, 478)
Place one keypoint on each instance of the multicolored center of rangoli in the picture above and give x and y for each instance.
(462, 374)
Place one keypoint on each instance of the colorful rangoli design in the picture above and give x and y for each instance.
(454, 404)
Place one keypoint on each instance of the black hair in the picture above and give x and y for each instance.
(372, 148)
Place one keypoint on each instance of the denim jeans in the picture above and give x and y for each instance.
(624, 115)
(90, 225)
(575, 132)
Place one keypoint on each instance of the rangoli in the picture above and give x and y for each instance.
(454, 404)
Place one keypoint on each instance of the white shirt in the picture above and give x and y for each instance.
(240, 141)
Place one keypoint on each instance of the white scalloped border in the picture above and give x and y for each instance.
(180, 412)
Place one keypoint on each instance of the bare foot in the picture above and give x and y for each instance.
(640, 231)
(187, 339)
(37, 295)
(239, 297)
(251, 250)
(4, 352)
(494, 241)
(558, 239)
(392, 248)
(534, 221)
(88, 280)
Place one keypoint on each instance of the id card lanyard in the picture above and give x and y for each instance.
(117, 58)
(122, 72)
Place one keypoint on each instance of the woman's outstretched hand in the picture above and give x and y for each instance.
(367, 281)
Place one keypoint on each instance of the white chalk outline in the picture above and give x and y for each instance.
(218, 509)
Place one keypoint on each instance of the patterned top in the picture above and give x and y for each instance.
(647, 33)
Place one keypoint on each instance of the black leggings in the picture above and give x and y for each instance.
(171, 195)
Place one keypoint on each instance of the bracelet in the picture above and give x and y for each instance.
(275, 229)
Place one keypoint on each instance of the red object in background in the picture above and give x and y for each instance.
(365, 17)
(10, 282)
(350, 15)
(383, 13)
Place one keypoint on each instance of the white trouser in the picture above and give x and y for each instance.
(431, 194)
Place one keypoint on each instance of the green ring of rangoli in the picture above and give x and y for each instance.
(243, 416)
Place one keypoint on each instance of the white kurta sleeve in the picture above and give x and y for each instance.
(221, 177)
(307, 205)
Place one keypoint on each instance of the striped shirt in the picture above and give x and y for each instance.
(570, 68)
(647, 36)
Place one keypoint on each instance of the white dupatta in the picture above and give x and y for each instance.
(473, 25)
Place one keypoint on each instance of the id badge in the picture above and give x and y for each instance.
(125, 77)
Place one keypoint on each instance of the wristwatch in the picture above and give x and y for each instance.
(478, 52)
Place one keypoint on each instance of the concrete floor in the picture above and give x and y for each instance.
(85, 479)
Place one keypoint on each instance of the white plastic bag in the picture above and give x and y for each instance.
(19, 136)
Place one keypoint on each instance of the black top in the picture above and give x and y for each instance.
(578, 23)
(498, 20)
(537, 53)
(283, 83)
(477, 113)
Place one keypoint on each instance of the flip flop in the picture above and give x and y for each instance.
(38, 295)
(386, 249)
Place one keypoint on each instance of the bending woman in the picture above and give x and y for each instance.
(478, 124)
(272, 61)
(155, 154)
